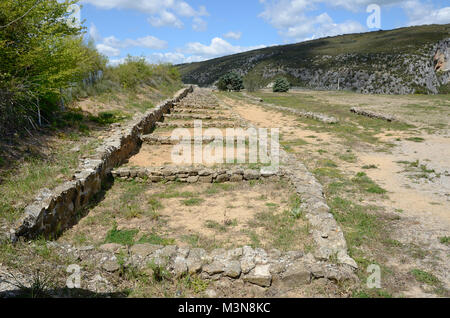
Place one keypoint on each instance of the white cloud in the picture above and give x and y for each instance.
(217, 47)
(162, 12)
(110, 46)
(173, 57)
(94, 34)
(108, 50)
(165, 18)
(420, 13)
(302, 19)
(199, 24)
(233, 35)
(291, 20)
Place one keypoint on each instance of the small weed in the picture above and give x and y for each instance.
(155, 240)
(367, 167)
(348, 157)
(160, 273)
(415, 139)
(196, 284)
(215, 226)
(425, 277)
(367, 184)
(193, 202)
(124, 237)
(445, 240)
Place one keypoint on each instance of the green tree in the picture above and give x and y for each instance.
(230, 82)
(40, 55)
(281, 85)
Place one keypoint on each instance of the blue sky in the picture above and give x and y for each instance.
(179, 31)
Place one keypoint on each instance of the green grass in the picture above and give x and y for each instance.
(123, 237)
(193, 202)
(367, 184)
(415, 139)
(216, 226)
(425, 277)
(354, 216)
(367, 167)
(155, 239)
(22, 182)
(445, 240)
(282, 230)
(348, 157)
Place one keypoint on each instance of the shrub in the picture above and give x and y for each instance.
(251, 84)
(281, 85)
(230, 82)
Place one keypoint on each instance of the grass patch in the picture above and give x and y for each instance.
(155, 240)
(359, 224)
(216, 226)
(425, 277)
(348, 157)
(193, 202)
(445, 240)
(368, 167)
(415, 139)
(367, 184)
(123, 237)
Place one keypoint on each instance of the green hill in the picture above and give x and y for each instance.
(398, 61)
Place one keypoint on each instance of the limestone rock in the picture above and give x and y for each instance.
(260, 276)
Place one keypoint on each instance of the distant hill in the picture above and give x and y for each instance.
(400, 61)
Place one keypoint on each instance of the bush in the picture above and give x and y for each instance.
(251, 84)
(230, 82)
(281, 85)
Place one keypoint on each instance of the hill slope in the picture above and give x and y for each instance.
(401, 61)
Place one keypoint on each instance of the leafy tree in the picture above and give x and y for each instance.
(40, 55)
(251, 84)
(230, 82)
(281, 85)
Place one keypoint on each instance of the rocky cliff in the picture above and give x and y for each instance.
(402, 61)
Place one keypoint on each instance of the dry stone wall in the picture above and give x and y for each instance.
(372, 114)
(195, 174)
(56, 210)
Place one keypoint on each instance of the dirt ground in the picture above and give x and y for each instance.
(206, 215)
(419, 202)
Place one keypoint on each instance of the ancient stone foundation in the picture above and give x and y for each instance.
(56, 210)
(372, 114)
(196, 174)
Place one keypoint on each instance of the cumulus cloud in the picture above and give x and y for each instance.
(94, 34)
(162, 12)
(111, 46)
(108, 50)
(302, 19)
(217, 47)
(173, 58)
(233, 35)
(199, 24)
(165, 18)
(293, 18)
(420, 13)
